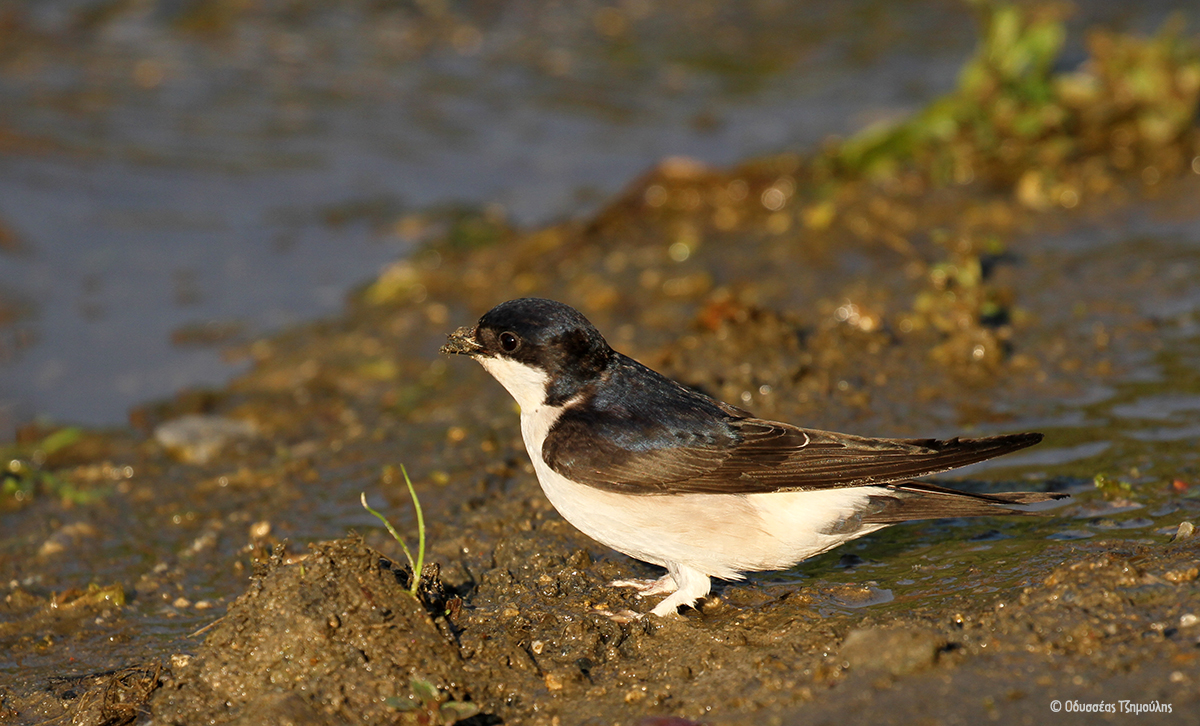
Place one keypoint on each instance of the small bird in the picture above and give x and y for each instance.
(673, 477)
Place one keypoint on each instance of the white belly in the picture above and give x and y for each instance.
(717, 534)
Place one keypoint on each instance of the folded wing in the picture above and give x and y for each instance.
(750, 455)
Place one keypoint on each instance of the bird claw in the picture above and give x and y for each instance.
(664, 585)
(621, 616)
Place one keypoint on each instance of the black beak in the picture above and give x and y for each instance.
(462, 342)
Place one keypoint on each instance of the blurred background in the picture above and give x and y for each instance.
(180, 175)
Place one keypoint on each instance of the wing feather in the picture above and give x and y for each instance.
(749, 455)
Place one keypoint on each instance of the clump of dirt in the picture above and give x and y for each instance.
(331, 638)
(109, 698)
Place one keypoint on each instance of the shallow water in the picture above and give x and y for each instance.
(174, 178)
(246, 183)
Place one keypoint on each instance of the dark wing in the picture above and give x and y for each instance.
(910, 500)
(749, 455)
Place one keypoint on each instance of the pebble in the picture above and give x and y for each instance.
(893, 651)
(198, 438)
(66, 536)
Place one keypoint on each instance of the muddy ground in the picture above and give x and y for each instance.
(211, 576)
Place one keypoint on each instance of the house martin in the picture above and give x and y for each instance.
(673, 477)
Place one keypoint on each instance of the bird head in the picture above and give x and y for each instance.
(543, 352)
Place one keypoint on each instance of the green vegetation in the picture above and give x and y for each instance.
(25, 474)
(1113, 489)
(418, 564)
(426, 705)
(1011, 113)
(1022, 125)
(95, 596)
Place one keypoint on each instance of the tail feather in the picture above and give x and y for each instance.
(913, 500)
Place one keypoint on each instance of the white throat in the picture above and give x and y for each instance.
(523, 382)
(527, 385)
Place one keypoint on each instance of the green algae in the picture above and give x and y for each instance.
(1013, 112)
(26, 473)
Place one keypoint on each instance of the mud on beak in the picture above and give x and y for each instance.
(462, 342)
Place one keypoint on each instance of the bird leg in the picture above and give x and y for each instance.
(691, 586)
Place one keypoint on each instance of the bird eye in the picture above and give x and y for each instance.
(509, 342)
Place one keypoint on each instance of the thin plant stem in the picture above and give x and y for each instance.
(420, 531)
(418, 564)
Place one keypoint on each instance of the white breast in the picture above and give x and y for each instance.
(717, 534)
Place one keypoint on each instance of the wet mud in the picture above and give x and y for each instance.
(328, 638)
(148, 583)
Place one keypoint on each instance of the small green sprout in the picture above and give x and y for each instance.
(23, 471)
(419, 563)
(1113, 489)
(427, 703)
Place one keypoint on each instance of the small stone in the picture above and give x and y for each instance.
(66, 536)
(1182, 575)
(553, 682)
(1187, 620)
(197, 439)
(51, 547)
(893, 651)
(1186, 530)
